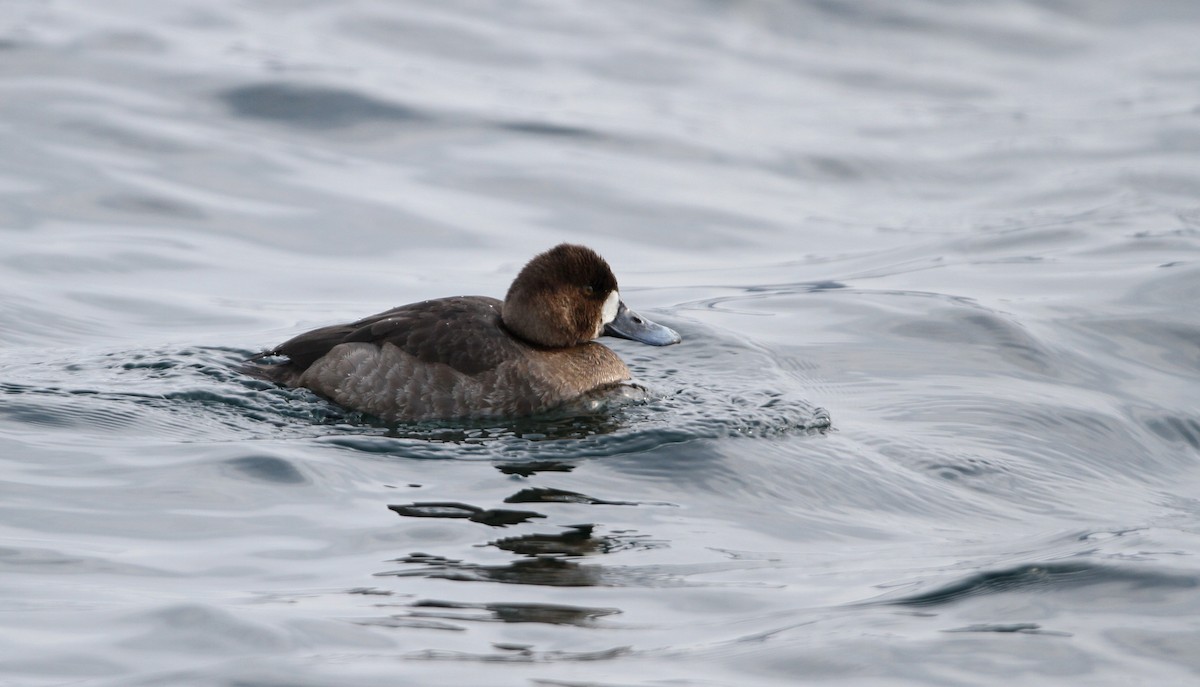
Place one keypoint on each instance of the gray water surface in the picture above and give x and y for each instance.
(935, 419)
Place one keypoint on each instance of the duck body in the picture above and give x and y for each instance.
(474, 357)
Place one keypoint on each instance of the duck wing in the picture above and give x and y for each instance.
(464, 332)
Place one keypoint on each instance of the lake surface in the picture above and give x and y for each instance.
(935, 419)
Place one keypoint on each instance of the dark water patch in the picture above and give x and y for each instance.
(1102, 535)
(990, 331)
(410, 623)
(889, 82)
(548, 129)
(1009, 628)
(1047, 577)
(754, 295)
(999, 476)
(968, 468)
(370, 591)
(267, 469)
(495, 517)
(314, 107)
(1185, 430)
(154, 366)
(153, 205)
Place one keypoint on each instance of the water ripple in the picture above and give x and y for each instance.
(1048, 577)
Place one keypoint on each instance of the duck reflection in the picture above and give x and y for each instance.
(545, 558)
(548, 559)
(550, 614)
(577, 540)
(546, 571)
(496, 517)
(532, 467)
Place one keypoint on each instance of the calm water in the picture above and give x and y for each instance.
(935, 421)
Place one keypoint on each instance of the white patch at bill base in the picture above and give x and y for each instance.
(609, 313)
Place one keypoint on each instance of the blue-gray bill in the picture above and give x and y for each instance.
(630, 325)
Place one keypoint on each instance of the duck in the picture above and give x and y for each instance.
(476, 357)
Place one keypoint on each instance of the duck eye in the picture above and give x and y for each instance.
(588, 290)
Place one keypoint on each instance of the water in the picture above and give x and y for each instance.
(935, 419)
